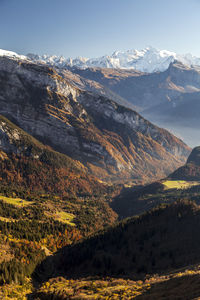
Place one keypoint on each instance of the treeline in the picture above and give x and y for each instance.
(26, 241)
(16, 270)
(33, 230)
(17, 213)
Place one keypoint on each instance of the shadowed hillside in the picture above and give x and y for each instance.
(191, 170)
(161, 240)
(184, 183)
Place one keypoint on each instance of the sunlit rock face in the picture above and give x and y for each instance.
(114, 142)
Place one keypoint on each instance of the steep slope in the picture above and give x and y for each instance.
(164, 239)
(191, 170)
(169, 98)
(144, 90)
(92, 85)
(31, 170)
(112, 141)
(27, 163)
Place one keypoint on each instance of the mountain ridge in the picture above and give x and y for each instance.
(169, 98)
(111, 140)
(147, 60)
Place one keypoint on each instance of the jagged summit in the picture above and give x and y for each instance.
(146, 60)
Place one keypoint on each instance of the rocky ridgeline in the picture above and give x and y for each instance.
(112, 141)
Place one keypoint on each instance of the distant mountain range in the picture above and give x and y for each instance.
(167, 97)
(146, 60)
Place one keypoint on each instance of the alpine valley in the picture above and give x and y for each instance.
(96, 201)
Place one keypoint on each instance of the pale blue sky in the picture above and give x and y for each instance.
(96, 27)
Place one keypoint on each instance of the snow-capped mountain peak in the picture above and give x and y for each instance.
(146, 60)
(11, 54)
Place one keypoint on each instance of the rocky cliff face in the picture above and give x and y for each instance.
(113, 142)
(169, 99)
